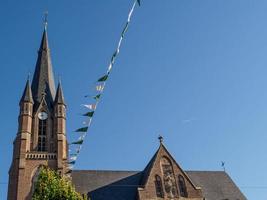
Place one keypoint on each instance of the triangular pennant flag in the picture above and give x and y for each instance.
(89, 114)
(87, 122)
(70, 167)
(83, 129)
(72, 162)
(119, 44)
(78, 142)
(110, 67)
(90, 106)
(100, 88)
(114, 56)
(139, 2)
(78, 150)
(115, 53)
(103, 78)
(97, 97)
(73, 158)
(73, 154)
(125, 29)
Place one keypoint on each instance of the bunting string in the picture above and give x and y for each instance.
(76, 146)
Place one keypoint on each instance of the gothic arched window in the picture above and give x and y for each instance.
(182, 186)
(168, 178)
(159, 187)
(42, 135)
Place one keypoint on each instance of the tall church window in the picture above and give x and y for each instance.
(159, 187)
(182, 186)
(168, 178)
(42, 135)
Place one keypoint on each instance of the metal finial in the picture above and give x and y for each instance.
(160, 139)
(59, 79)
(45, 19)
(29, 76)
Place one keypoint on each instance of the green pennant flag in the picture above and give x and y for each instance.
(78, 142)
(73, 154)
(71, 162)
(103, 78)
(139, 2)
(97, 97)
(115, 54)
(88, 114)
(83, 129)
(125, 29)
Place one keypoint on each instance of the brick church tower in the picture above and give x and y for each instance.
(41, 137)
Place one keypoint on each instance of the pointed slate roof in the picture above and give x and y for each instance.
(107, 184)
(122, 185)
(59, 99)
(43, 78)
(216, 185)
(27, 94)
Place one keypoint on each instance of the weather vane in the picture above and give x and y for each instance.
(45, 19)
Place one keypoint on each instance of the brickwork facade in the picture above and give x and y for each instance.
(166, 180)
(41, 137)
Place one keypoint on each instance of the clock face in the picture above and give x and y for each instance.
(42, 115)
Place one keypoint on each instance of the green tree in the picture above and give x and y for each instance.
(51, 186)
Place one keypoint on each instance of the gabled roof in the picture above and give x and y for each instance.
(27, 93)
(43, 78)
(150, 165)
(123, 185)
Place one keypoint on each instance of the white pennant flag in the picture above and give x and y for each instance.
(73, 158)
(110, 67)
(78, 149)
(99, 88)
(87, 122)
(70, 166)
(90, 106)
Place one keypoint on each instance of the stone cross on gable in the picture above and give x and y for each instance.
(160, 139)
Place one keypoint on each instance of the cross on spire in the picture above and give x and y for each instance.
(160, 139)
(45, 19)
(223, 165)
(29, 76)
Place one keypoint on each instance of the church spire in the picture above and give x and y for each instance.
(59, 99)
(43, 78)
(27, 94)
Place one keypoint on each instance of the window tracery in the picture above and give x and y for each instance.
(182, 186)
(168, 178)
(42, 135)
(159, 187)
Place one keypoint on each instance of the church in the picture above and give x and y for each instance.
(41, 141)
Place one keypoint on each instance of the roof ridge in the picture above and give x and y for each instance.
(105, 170)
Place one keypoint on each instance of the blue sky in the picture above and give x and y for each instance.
(193, 71)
